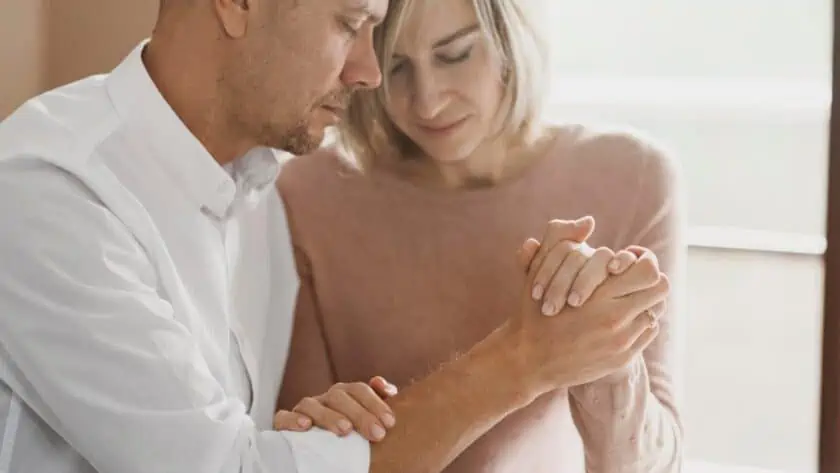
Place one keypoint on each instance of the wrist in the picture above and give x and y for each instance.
(512, 366)
(625, 374)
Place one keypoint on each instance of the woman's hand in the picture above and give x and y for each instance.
(345, 407)
(568, 270)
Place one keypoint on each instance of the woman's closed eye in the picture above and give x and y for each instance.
(462, 55)
(456, 58)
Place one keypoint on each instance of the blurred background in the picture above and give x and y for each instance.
(740, 90)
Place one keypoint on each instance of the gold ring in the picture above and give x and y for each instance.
(652, 317)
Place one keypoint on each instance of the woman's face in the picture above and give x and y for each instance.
(445, 79)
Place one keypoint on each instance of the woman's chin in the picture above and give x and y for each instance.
(449, 153)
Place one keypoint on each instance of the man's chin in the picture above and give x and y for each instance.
(302, 141)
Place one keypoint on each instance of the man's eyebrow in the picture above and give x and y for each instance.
(458, 34)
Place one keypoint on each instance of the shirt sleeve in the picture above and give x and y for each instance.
(97, 352)
(631, 422)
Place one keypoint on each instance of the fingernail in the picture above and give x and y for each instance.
(574, 299)
(391, 390)
(304, 422)
(344, 425)
(389, 420)
(537, 293)
(378, 432)
(548, 309)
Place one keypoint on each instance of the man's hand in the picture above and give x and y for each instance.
(587, 342)
(344, 407)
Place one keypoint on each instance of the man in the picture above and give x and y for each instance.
(141, 233)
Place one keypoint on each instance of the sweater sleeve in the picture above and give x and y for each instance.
(631, 422)
(309, 370)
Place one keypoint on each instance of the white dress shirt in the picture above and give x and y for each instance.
(146, 294)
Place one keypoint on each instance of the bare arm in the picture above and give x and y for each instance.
(439, 417)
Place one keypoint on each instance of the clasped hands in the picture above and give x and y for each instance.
(585, 315)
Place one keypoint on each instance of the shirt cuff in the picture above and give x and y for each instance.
(321, 451)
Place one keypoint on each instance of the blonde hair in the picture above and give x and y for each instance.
(514, 36)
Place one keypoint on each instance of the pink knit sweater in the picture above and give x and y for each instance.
(396, 279)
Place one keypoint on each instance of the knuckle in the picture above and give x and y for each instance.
(357, 386)
(307, 403)
(623, 342)
(336, 388)
(648, 269)
(557, 224)
(333, 394)
(567, 246)
(360, 389)
(577, 255)
(612, 324)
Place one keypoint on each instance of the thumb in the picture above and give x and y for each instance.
(527, 252)
(382, 387)
(577, 231)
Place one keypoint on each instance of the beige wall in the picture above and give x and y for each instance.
(22, 48)
(46, 44)
(91, 36)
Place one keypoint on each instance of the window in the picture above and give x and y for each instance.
(741, 91)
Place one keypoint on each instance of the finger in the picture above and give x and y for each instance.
(592, 275)
(622, 261)
(643, 274)
(562, 279)
(382, 387)
(372, 403)
(559, 230)
(527, 252)
(324, 417)
(365, 421)
(650, 297)
(640, 250)
(645, 337)
(549, 265)
(287, 420)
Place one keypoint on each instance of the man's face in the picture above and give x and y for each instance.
(291, 72)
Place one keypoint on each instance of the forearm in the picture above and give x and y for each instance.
(440, 416)
(625, 427)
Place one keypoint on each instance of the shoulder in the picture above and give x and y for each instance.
(316, 174)
(66, 125)
(621, 148)
(627, 160)
(44, 207)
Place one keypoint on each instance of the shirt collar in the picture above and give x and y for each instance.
(212, 187)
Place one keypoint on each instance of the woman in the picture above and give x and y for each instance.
(404, 250)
